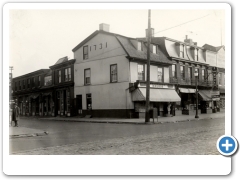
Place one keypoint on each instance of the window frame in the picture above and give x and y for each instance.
(155, 49)
(143, 72)
(59, 76)
(196, 54)
(85, 55)
(182, 72)
(69, 74)
(85, 83)
(190, 72)
(111, 74)
(158, 74)
(203, 74)
(141, 46)
(175, 73)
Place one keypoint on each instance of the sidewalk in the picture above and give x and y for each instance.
(17, 132)
(161, 120)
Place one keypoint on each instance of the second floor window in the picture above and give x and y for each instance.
(174, 70)
(33, 81)
(87, 76)
(15, 86)
(47, 80)
(189, 72)
(182, 71)
(141, 72)
(28, 85)
(113, 72)
(68, 74)
(85, 52)
(59, 76)
(160, 74)
(220, 79)
(23, 83)
(203, 74)
(19, 85)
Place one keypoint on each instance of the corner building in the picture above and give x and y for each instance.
(110, 76)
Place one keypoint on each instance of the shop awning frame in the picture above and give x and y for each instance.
(156, 95)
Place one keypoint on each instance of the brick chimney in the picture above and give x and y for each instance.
(104, 27)
(189, 41)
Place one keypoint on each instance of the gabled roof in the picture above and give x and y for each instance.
(213, 48)
(129, 48)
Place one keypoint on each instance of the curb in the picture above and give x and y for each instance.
(27, 135)
(121, 122)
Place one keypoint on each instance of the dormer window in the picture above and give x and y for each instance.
(140, 46)
(181, 51)
(196, 54)
(154, 49)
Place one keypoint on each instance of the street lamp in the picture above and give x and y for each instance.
(196, 80)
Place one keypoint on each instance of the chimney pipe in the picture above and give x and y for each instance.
(186, 36)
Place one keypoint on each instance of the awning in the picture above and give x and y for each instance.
(156, 95)
(208, 95)
(186, 90)
(46, 94)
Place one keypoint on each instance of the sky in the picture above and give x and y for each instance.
(38, 38)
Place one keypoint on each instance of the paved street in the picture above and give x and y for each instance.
(193, 137)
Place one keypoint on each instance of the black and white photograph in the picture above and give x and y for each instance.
(112, 81)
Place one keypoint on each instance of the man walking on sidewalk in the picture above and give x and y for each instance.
(15, 115)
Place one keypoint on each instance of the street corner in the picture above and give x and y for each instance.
(227, 145)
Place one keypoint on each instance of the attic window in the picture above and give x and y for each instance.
(100, 46)
(154, 49)
(196, 54)
(140, 46)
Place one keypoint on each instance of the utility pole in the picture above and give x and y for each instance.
(147, 117)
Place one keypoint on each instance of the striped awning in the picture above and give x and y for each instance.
(208, 95)
(156, 95)
(187, 90)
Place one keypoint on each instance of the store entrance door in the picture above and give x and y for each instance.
(79, 104)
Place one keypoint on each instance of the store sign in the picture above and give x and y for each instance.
(157, 86)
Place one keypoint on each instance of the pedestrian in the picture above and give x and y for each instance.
(15, 115)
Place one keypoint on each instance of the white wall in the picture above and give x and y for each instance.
(105, 95)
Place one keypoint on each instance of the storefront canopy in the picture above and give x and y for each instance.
(186, 90)
(156, 95)
(208, 95)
